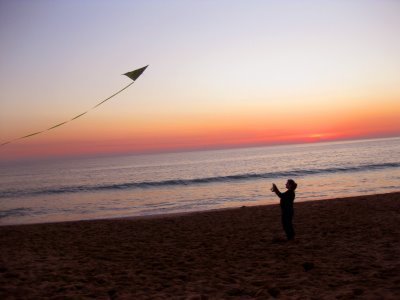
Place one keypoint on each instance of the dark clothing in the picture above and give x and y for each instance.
(287, 199)
(287, 223)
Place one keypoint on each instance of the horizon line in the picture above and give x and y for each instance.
(194, 149)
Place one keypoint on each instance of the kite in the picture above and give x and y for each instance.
(132, 75)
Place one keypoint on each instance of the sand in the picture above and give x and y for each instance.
(344, 249)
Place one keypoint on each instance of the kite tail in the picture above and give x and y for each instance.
(65, 122)
(132, 75)
(110, 97)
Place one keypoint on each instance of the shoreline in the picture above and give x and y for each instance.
(178, 214)
(344, 248)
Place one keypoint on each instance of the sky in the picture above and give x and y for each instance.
(221, 74)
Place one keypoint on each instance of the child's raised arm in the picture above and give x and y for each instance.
(276, 190)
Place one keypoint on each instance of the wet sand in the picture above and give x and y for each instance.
(344, 249)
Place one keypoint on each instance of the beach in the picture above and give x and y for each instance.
(344, 248)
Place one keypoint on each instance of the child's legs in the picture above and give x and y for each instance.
(287, 223)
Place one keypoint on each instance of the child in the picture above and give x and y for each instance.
(286, 203)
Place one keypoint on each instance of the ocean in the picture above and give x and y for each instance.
(137, 185)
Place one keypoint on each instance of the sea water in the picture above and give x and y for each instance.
(137, 185)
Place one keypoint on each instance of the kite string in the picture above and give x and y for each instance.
(58, 125)
(112, 95)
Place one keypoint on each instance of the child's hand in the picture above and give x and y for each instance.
(273, 189)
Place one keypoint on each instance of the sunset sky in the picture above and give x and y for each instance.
(222, 74)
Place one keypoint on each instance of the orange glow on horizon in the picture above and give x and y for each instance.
(224, 129)
(174, 141)
(233, 126)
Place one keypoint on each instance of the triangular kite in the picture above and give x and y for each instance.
(132, 75)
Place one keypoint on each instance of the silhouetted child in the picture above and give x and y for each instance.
(287, 199)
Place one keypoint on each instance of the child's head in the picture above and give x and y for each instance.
(291, 185)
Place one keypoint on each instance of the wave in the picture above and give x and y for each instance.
(195, 181)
